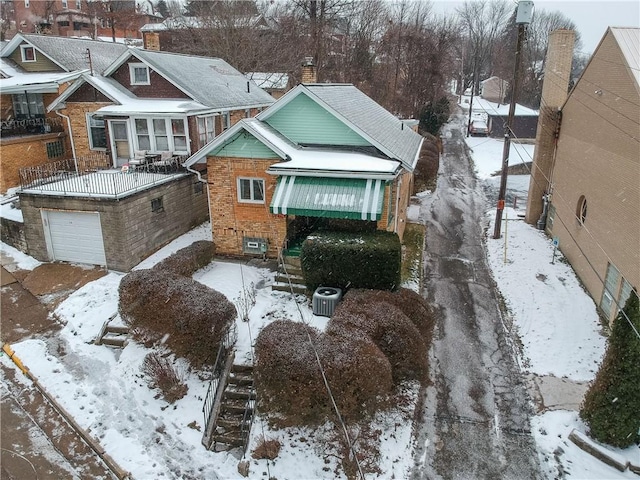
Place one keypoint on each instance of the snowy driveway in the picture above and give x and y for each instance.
(476, 413)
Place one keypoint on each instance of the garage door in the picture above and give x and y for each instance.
(74, 236)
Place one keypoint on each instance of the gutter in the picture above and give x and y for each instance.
(73, 146)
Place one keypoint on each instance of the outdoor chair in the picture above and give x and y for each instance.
(166, 163)
(139, 159)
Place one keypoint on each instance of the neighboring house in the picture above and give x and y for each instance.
(157, 102)
(76, 18)
(35, 70)
(525, 120)
(494, 89)
(276, 84)
(324, 154)
(120, 193)
(594, 207)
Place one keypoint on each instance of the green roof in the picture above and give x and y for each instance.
(358, 199)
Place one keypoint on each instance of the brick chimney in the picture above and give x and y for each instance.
(309, 73)
(555, 86)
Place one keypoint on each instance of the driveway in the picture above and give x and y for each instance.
(476, 411)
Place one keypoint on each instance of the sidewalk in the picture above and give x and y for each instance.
(37, 440)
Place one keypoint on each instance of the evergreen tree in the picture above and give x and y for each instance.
(611, 407)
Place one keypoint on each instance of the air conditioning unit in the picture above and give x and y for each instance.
(325, 299)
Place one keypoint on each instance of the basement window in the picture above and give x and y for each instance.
(156, 205)
(55, 149)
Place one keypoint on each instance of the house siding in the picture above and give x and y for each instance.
(131, 231)
(244, 145)
(159, 88)
(232, 220)
(42, 63)
(87, 93)
(597, 156)
(303, 121)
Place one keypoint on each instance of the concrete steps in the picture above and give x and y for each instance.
(291, 272)
(236, 410)
(113, 335)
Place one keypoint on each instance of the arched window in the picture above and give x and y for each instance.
(581, 210)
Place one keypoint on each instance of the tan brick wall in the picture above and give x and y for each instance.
(151, 41)
(597, 156)
(77, 115)
(554, 93)
(27, 151)
(232, 220)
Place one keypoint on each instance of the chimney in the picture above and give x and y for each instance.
(555, 86)
(309, 74)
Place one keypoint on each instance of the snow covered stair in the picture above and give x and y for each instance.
(290, 271)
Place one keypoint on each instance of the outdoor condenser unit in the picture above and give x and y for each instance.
(325, 300)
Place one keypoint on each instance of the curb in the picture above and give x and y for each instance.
(89, 440)
(601, 453)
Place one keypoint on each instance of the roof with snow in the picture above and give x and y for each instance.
(501, 110)
(311, 161)
(70, 53)
(209, 81)
(183, 22)
(45, 82)
(361, 113)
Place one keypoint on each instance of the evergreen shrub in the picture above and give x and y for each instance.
(611, 407)
(340, 259)
(290, 385)
(187, 317)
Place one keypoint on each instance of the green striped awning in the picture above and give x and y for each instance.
(358, 199)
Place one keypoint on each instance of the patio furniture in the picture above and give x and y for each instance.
(139, 159)
(165, 163)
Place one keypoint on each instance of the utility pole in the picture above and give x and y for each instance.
(523, 18)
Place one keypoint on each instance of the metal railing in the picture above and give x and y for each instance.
(17, 127)
(93, 177)
(217, 382)
(247, 419)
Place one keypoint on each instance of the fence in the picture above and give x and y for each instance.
(217, 381)
(89, 176)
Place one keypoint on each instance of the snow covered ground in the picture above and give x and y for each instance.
(105, 391)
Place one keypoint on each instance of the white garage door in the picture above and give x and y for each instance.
(74, 236)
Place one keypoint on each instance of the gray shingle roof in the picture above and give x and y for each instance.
(370, 117)
(71, 53)
(211, 81)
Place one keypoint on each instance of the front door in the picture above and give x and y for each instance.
(120, 147)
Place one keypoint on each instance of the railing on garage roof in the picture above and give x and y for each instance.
(94, 177)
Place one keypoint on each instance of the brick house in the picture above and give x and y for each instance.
(157, 102)
(86, 208)
(36, 70)
(323, 154)
(594, 188)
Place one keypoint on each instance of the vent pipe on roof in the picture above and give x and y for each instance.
(248, 86)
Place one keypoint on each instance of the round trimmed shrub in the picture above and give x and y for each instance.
(390, 329)
(188, 317)
(290, 384)
(189, 259)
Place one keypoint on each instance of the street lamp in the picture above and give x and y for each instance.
(523, 18)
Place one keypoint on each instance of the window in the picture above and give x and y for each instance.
(226, 120)
(97, 132)
(247, 112)
(616, 292)
(161, 134)
(581, 210)
(251, 190)
(139, 74)
(55, 149)
(63, 23)
(156, 205)
(28, 105)
(206, 129)
(78, 4)
(65, 4)
(28, 53)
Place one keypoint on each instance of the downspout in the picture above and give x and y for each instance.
(73, 146)
(200, 179)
